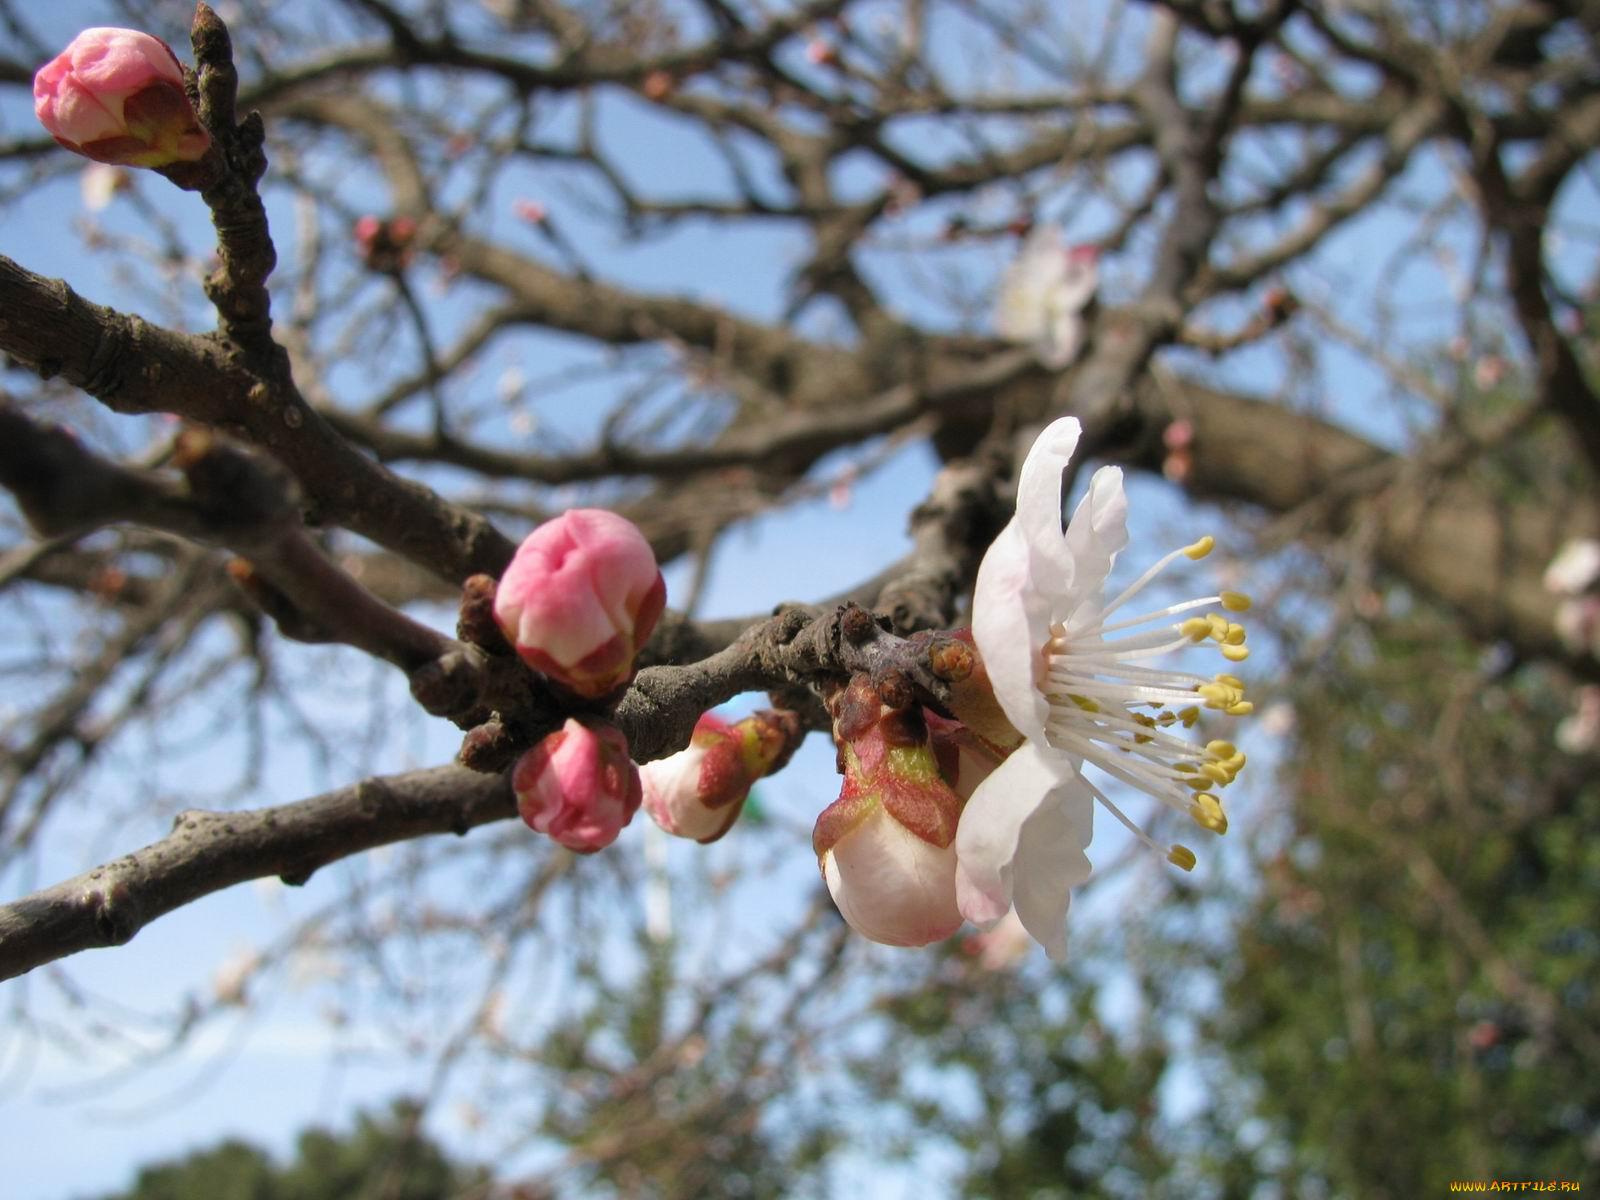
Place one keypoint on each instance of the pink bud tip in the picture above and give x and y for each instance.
(820, 52)
(1178, 434)
(580, 598)
(531, 211)
(117, 96)
(578, 786)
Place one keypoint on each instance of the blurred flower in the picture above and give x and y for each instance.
(821, 53)
(1043, 295)
(232, 979)
(658, 85)
(1001, 948)
(578, 785)
(699, 792)
(117, 96)
(385, 244)
(1574, 569)
(531, 211)
(1178, 438)
(99, 183)
(1041, 626)
(1578, 624)
(1489, 372)
(886, 845)
(1580, 731)
(581, 596)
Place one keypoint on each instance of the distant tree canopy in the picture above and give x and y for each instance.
(384, 1157)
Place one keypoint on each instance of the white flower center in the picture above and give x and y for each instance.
(1095, 684)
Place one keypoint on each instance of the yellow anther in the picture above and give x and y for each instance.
(1218, 627)
(1217, 775)
(1235, 602)
(1197, 783)
(1196, 629)
(1220, 749)
(1142, 739)
(1234, 762)
(1235, 653)
(1208, 814)
(1219, 695)
(1166, 719)
(1234, 636)
(1181, 856)
(1242, 709)
(1201, 548)
(1230, 680)
(1186, 768)
(1189, 716)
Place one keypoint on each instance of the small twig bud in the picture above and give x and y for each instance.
(446, 686)
(950, 659)
(857, 624)
(490, 748)
(476, 623)
(895, 690)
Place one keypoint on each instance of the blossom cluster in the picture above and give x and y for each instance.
(1061, 682)
(968, 813)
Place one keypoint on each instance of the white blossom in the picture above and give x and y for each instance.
(1075, 693)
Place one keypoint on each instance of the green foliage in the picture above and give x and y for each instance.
(1415, 990)
(388, 1158)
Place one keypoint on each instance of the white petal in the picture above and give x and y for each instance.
(1095, 536)
(1060, 339)
(1010, 624)
(1028, 285)
(1050, 862)
(1079, 279)
(671, 787)
(892, 886)
(1039, 505)
(1574, 568)
(991, 824)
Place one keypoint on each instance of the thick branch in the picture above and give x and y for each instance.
(207, 852)
(135, 367)
(227, 499)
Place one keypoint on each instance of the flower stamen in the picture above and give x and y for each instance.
(1093, 684)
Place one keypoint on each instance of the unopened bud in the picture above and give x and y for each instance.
(117, 96)
(700, 791)
(580, 598)
(886, 846)
(578, 785)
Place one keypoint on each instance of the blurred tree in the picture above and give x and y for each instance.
(383, 1158)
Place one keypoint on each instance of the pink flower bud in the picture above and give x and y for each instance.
(578, 785)
(117, 96)
(699, 792)
(890, 883)
(886, 846)
(580, 598)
